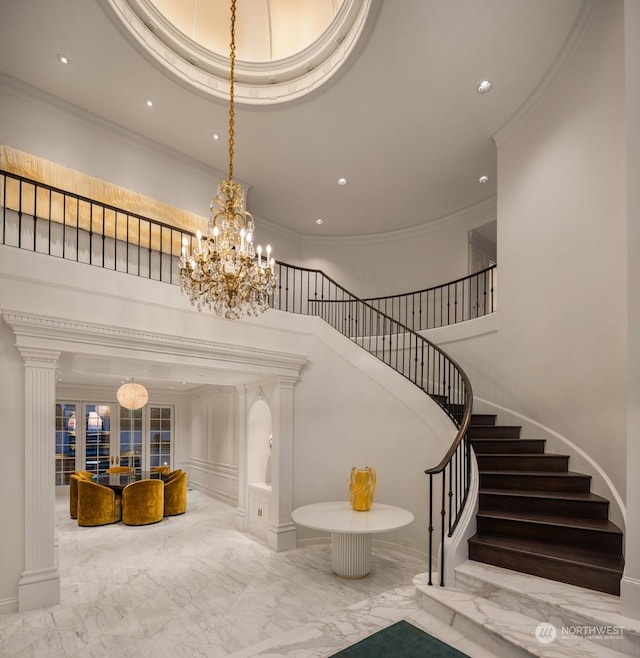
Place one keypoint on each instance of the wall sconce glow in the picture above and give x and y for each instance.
(483, 179)
(319, 221)
(149, 102)
(63, 59)
(342, 181)
(485, 86)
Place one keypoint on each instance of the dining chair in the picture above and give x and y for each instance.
(118, 469)
(97, 504)
(175, 495)
(73, 491)
(160, 469)
(143, 502)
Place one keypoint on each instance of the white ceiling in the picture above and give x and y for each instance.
(401, 120)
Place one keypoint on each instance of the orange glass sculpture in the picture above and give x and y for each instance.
(361, 487)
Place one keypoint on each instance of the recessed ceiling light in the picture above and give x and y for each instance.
(319, 221)
(342, 181)
(149, 102)
(483, 179)
(485, 86)
(215, 136)
(63, 59)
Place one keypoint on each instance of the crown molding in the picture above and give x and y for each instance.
(550, 78)
(40, 331)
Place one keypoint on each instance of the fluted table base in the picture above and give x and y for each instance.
(350, 554)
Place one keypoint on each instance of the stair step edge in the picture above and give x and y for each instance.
(502, 624)
(570, 474)
(562, 521)
(574, 605)
(547, 495)
(530, 547)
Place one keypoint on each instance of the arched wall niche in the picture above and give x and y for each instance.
(259, 441)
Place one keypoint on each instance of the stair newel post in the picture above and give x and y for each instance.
(430, 529)
(442, 525)
(450, 492)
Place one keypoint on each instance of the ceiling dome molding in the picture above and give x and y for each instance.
(257, 83)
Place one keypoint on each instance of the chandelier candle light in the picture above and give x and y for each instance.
(225, 271)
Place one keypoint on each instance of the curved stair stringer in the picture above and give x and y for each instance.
(600, 484)
(456, 547)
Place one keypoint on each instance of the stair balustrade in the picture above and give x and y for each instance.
(464, 299)
(48, 220)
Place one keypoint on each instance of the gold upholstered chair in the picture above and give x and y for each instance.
(175, 495)
(164, 470)
(173, 474)
(97, 504)
(143, 502)
(118, 469)
(73, 491)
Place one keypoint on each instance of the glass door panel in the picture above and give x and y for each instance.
(160, 435)
(65, 442)
(130, 438)
(97, 426)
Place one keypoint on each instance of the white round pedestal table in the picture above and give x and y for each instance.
(351, 531)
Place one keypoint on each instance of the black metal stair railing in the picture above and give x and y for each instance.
(48, 220)
(456, 301)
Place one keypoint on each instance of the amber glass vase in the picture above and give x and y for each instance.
(361, 487)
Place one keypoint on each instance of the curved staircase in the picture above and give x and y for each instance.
(538, 517)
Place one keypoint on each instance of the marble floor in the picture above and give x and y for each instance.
(192, 585)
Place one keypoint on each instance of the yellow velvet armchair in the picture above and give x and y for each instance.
(118, 469)
(143, 502)
(97, 505)
(175, 495)
(73, 491)
(160, 469)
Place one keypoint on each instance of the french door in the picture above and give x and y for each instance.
(94, 436)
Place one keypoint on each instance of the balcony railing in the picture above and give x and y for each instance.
(457, 301)
(51, 221)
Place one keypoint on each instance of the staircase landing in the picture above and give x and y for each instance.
(502, 609)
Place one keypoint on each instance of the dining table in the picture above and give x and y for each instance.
(118, 481)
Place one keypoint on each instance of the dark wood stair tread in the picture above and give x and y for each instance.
(600, 525)
(553, 495)
(519, 455)
(568, 554)
(560, 474)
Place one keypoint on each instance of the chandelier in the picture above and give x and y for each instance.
(224, 271)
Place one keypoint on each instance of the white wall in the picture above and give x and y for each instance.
(390, 263)
(349, 408)
(560, 354)
(399, 261)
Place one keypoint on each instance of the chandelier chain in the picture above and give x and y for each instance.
(223, 269)
(232, 69)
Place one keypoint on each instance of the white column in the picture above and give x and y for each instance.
(39, 584)
(630, 585)
(281, 535)
(242, 520)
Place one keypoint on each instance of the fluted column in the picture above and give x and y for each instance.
(39, 584)
(281, 535)
(241, 425)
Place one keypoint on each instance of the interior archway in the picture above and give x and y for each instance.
(259, 438)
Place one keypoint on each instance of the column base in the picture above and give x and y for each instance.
(38, 589)
(282, 538)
